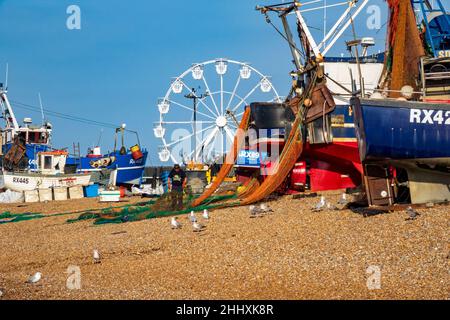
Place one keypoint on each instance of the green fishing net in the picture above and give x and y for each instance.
(7, 217)
(162, 207)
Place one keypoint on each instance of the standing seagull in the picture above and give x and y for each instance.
(96, 256)
(192, 217)
(205, 214)
(197, 227)
(412, 214)
(265, 208)
(321, 205)
(175, 223)
(343, 200)
(35, 278)
(254, 211)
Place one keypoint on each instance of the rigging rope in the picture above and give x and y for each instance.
(63, 115)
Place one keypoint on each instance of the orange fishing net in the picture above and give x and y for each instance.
(253, 191)
(238, 142)
(407, 47)
(291, 152)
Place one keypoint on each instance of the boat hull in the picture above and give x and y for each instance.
(330, 158)
(31, 153)
(129, 170)
(405, 150)
(403, 131)
(33, 181)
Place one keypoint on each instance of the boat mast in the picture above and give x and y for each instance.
(336, 30)
(290, 39)
(8, 113)
(42, 108)
(304, 26)
(346, 25)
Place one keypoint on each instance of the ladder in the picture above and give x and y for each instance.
(77, 154)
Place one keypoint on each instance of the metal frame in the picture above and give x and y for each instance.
(426, 8)
(352, 4)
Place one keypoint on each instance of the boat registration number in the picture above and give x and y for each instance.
(429, 116)
(444, 54)
(21, 180)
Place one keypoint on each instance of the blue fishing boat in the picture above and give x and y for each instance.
(417, 132)
(28, 140)
(32, 139)
(130, 168)
(128, 164)
(403, 130)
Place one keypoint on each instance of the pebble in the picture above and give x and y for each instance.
(295, 254)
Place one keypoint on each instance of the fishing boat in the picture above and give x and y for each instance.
(128, 164)
(404, 129)
(50, 173)
(33, 138)
(330, 157)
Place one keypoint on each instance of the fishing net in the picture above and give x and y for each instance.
(7, 217)
(238, 142)
(219, 194)
(405, 46)
(163, 207)
(254, 190)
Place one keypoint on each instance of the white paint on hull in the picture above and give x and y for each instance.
(33, 181)
(120, 169)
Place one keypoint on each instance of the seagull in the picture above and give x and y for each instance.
(205, 214)
(96, 256)
(175, 223)
(254, 211)
(343, 200)
(265, 208)
(332, 206)
(412, 214)
(321, 205)
(192, 217)
(197, 226)
(35, 278)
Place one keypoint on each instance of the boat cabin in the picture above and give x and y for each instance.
(28, 133)
(52, 162)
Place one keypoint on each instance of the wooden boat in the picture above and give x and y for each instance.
(49, 174)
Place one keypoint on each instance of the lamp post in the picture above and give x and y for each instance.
(193, 95)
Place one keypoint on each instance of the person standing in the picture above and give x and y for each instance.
(177, 182)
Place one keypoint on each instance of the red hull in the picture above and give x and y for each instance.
(323, 167)
(333, 166)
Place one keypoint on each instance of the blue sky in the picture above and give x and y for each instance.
(119, 63)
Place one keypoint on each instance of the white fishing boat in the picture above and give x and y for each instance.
(50, 174)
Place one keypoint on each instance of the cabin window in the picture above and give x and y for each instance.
(48, 162)
(8, 137)
(23, 137)
(37, 137)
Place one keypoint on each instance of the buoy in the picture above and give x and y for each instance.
(122, 191)
(136, 152)
(308, 102)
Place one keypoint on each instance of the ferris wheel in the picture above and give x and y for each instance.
(203, 106)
